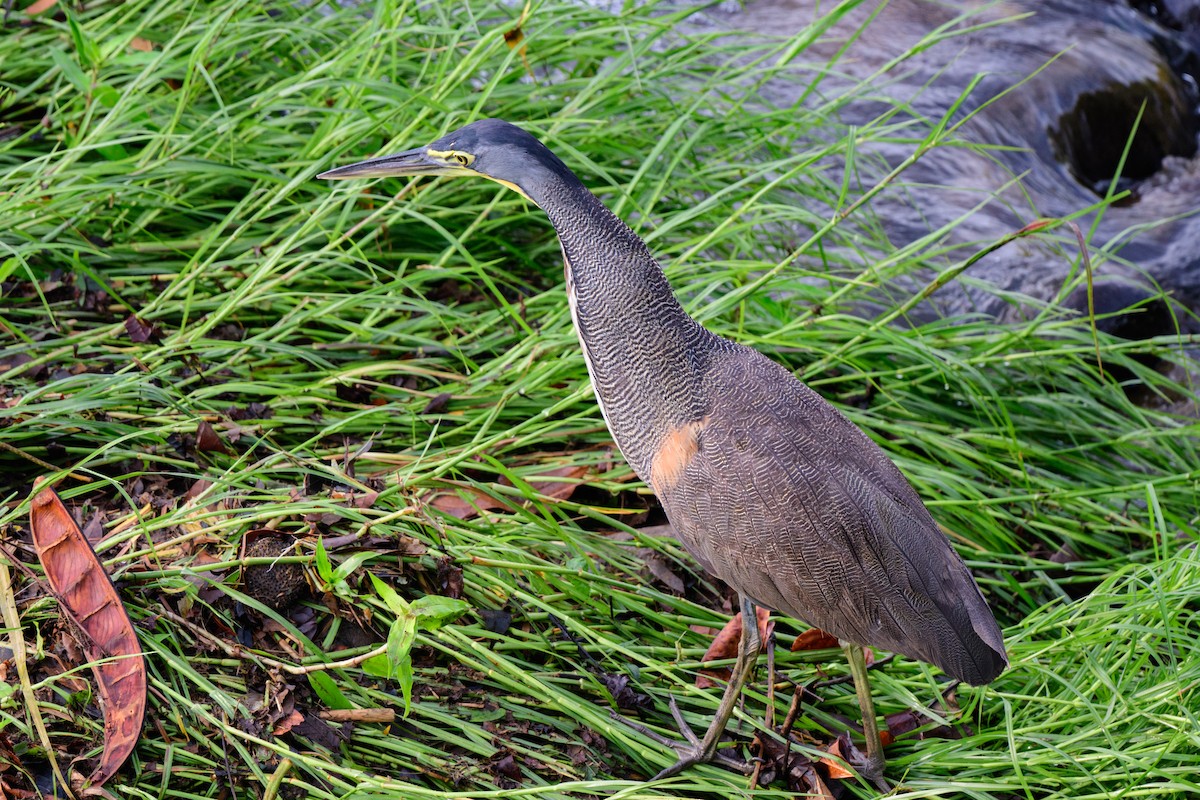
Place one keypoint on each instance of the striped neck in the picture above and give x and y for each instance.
(644, 354)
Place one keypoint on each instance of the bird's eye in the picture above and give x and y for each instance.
(462, 159)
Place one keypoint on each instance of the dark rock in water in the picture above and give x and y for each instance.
(1127, 310)
(1122, 132)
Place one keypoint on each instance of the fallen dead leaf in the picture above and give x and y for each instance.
(815, 639)
(467, 502)
(320, 732)
(778, 760)
(835, 764)
(472, 505)
(141, 331)
(496, 621)
(514, 37)
(661, 569)
(207, 440)
(622, 694)
(437, 404)
(40, 7)
(558, 489)
(287, 723)
(89, 599)
(361, 500)
(906, 722)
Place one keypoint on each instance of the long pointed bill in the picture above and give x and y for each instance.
(410, 162)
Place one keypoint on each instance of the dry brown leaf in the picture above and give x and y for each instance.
(89, 599)
(365, 500)
(661, 569)
(461, 507)
(467, 502)
(141, 45)
(437, 404)
(558, 490)
(198, 487)
(903, 723)
(836, 770)
(818, 787)
(207, 440)
(287, 723)
(814, 639)
(514, 37)
(40, 7)
(140, 330)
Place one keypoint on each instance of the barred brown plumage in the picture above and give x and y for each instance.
(766, 484)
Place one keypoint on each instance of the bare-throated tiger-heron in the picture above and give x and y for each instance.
(766, 484)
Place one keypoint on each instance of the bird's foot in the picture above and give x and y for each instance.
(872, 771)
(868, 765)
(691, 751)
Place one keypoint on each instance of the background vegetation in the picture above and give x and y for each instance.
(199, 340)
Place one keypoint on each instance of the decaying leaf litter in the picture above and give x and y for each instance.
(276, 377)
(98, 619)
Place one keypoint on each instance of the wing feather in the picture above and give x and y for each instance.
(792, 505)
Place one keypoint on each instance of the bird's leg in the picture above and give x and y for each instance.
(697, 751)
(873, 769)
(702, 751)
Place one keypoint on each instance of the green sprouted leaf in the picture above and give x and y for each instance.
(404, 676)
(106, 96)
(321, 558)
(399, 655)
(433, 610)
(70, 69)
(328, 691)
(8, 695)
(85, 46)
(336, 579)
(388, 595)
(379, 666)
(426, 613)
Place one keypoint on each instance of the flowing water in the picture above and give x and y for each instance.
(1063, 85)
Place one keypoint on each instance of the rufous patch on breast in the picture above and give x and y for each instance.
(674, 454)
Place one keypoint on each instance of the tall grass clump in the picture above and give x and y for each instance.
(200, 340)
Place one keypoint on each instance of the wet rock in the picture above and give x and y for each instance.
(1061, 84)
(1127, 310)
(1122, 133)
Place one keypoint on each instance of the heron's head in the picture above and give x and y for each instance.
(489, 148)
